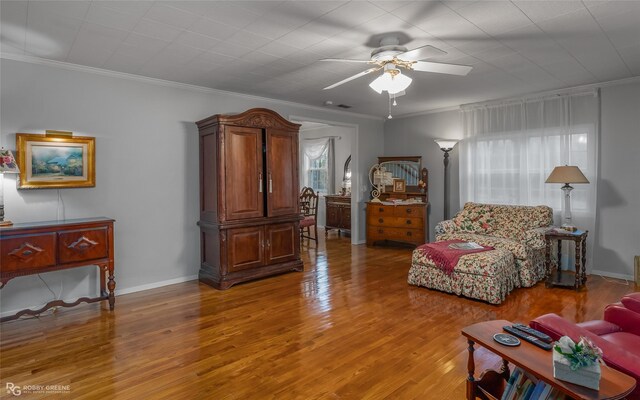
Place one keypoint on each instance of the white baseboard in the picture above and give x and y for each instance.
(133, 289)
(612, 275)
(156, 285)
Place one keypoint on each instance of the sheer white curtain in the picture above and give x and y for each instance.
(509, 149)
(313, 150)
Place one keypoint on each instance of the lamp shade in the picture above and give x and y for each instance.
(446, 145)
(8, 163)
(567, 174)
(391, 83)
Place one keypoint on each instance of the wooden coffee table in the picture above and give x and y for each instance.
(536, 361)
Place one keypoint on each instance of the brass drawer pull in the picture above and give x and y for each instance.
(380, 231)
(409, 210)
(380, 220)
(408, 233)
(381, 209)
(408, 222)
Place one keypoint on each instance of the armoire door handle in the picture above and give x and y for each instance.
(270, 183)
(260, 182)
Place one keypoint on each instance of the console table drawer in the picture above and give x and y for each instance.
(28, 252)
(82, 245)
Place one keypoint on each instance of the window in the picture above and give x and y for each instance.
(317, 164)
(511, 147)
(317, 171)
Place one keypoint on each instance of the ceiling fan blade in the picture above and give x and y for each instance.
(421, 53)
(441, 68)
(345, 60)
(356, 76)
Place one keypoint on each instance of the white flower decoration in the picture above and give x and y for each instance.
(566, 344)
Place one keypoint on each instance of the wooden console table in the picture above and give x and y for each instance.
(37, 247)
(338, 214)
(534, 360)
(558, 277)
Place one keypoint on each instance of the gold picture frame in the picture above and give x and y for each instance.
(399, 186)
(55, 162)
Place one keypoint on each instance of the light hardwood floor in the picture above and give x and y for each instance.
(348, 327)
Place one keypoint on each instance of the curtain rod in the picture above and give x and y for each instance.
(534, 97)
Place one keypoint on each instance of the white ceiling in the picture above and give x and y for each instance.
(272, 48)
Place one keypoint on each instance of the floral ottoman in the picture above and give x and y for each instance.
(489, 275)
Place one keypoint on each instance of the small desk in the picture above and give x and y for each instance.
(536, 361)
(567, 279)
(37, 247)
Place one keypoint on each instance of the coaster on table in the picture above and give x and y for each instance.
(506, 339)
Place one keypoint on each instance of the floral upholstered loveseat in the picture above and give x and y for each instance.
(519, 229)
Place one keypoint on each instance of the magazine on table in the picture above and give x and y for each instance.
(465, 246)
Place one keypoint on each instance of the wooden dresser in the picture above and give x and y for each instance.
(338, 213)
(37, 247)
(401, 223)
(249, 204)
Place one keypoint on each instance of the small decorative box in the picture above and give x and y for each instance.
(585, 376)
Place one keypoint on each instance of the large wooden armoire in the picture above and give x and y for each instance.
(249, 204)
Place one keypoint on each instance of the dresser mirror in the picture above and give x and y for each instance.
(409, 169)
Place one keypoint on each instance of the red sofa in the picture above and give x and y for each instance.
(618, 335)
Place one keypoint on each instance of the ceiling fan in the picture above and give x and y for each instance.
(391, 56)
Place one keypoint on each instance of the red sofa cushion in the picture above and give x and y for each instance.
(627, 320)
(632, 301)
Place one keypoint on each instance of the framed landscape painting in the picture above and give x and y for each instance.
(55, 162)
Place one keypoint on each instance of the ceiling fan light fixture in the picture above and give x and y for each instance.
(391, 82)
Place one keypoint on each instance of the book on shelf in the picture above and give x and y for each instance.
(523, 386)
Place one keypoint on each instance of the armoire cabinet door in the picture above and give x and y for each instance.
(282, 242)
(243, 173)
(245, 248)
(282, 173)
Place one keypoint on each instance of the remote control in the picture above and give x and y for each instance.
(529, 338)
(533, 332)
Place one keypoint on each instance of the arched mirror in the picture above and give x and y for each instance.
(346, 176)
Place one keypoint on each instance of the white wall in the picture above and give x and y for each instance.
(617, 236)
(146, 163)
(414, 136)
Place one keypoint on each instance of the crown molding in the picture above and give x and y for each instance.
(431, 111)
(173, 84)
(567, 90)
(573, 90)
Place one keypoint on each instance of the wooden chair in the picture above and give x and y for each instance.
(309, 210)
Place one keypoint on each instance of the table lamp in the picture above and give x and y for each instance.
(8, 165)
(567, 174)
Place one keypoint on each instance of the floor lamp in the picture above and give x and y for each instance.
(446, 146)
(7, 166)
(567, 174)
